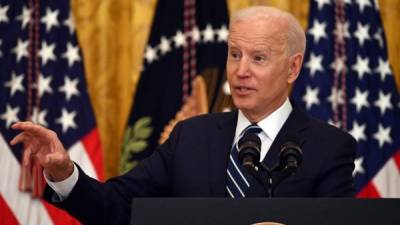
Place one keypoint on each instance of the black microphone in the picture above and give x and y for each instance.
(290, 156)
(249, 151)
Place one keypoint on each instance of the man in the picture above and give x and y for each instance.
(266, 48)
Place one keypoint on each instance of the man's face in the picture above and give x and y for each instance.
(258, 67)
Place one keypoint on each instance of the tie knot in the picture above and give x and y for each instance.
(252, 128)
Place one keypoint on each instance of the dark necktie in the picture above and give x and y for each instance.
(237, 177)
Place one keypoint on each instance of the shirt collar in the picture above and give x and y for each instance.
(271, 125)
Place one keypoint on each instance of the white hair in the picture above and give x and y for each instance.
(295, 35)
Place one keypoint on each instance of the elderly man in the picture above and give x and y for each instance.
(266, 48)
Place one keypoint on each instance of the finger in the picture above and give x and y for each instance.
(20, 123)
(39, 132)
(53, 158)
(22, 137)
(48, 162)
(28, 141)
(30, 127)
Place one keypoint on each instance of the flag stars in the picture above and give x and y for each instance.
(338, 65)
(358, 167)
(376, 3)
(342, 30)
(50, 19)
(15, 84)
(70, 87)
(358, 131)
(383, 135)
(208, 34)
(362, 4)
(21, 49)
(164, 46)
(311, 97)
(25, 17)
(383, 102)
(10, 115)
(314, 64)
(150, 54)
(383, 69)
(72, 54)
(46, 52)
(44, 85)
(321, 3)
(348, 2)
(195, 34)
(362, 33)
(336, 124)
(360, 99)
(3, 13)
(378, 37)
(361, 66)
(318, 31)
(336, 97)
(66, 120)
(39, 117)
(222, 34)
(70, 23)
(179, 39)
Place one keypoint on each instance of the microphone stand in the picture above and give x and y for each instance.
(269, 182)
(266, 181)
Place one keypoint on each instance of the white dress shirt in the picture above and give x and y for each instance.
(270, 125)
(64, 188)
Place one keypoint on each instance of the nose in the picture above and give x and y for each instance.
(244, 67)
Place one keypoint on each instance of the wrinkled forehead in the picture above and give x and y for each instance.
(258, 33)
(274, 21)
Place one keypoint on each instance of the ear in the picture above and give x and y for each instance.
(295, 62)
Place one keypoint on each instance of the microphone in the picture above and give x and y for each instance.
(249, 151)
(290, 156)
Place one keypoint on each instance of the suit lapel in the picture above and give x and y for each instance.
(294, 125)
(219, 150)
(221, 142)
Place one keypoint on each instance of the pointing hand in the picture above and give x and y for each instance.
(43, 145)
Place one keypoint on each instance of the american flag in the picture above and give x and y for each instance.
(42, 79)
(347, 80)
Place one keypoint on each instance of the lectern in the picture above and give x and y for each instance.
(289, 211)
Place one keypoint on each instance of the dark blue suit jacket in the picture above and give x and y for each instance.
(193, 162)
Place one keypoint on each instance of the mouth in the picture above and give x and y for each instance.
(242, 91)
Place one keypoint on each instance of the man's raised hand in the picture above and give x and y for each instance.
(43, 145)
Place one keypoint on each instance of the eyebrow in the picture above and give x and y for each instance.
(261, 50)
(257, 48)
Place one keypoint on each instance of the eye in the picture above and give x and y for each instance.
(234, 54)
(259, 58)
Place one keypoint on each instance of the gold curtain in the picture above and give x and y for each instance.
(113, 33)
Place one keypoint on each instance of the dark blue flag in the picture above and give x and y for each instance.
(347, 81)
(187, 38)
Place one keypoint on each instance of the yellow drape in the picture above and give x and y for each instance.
(113, 33)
